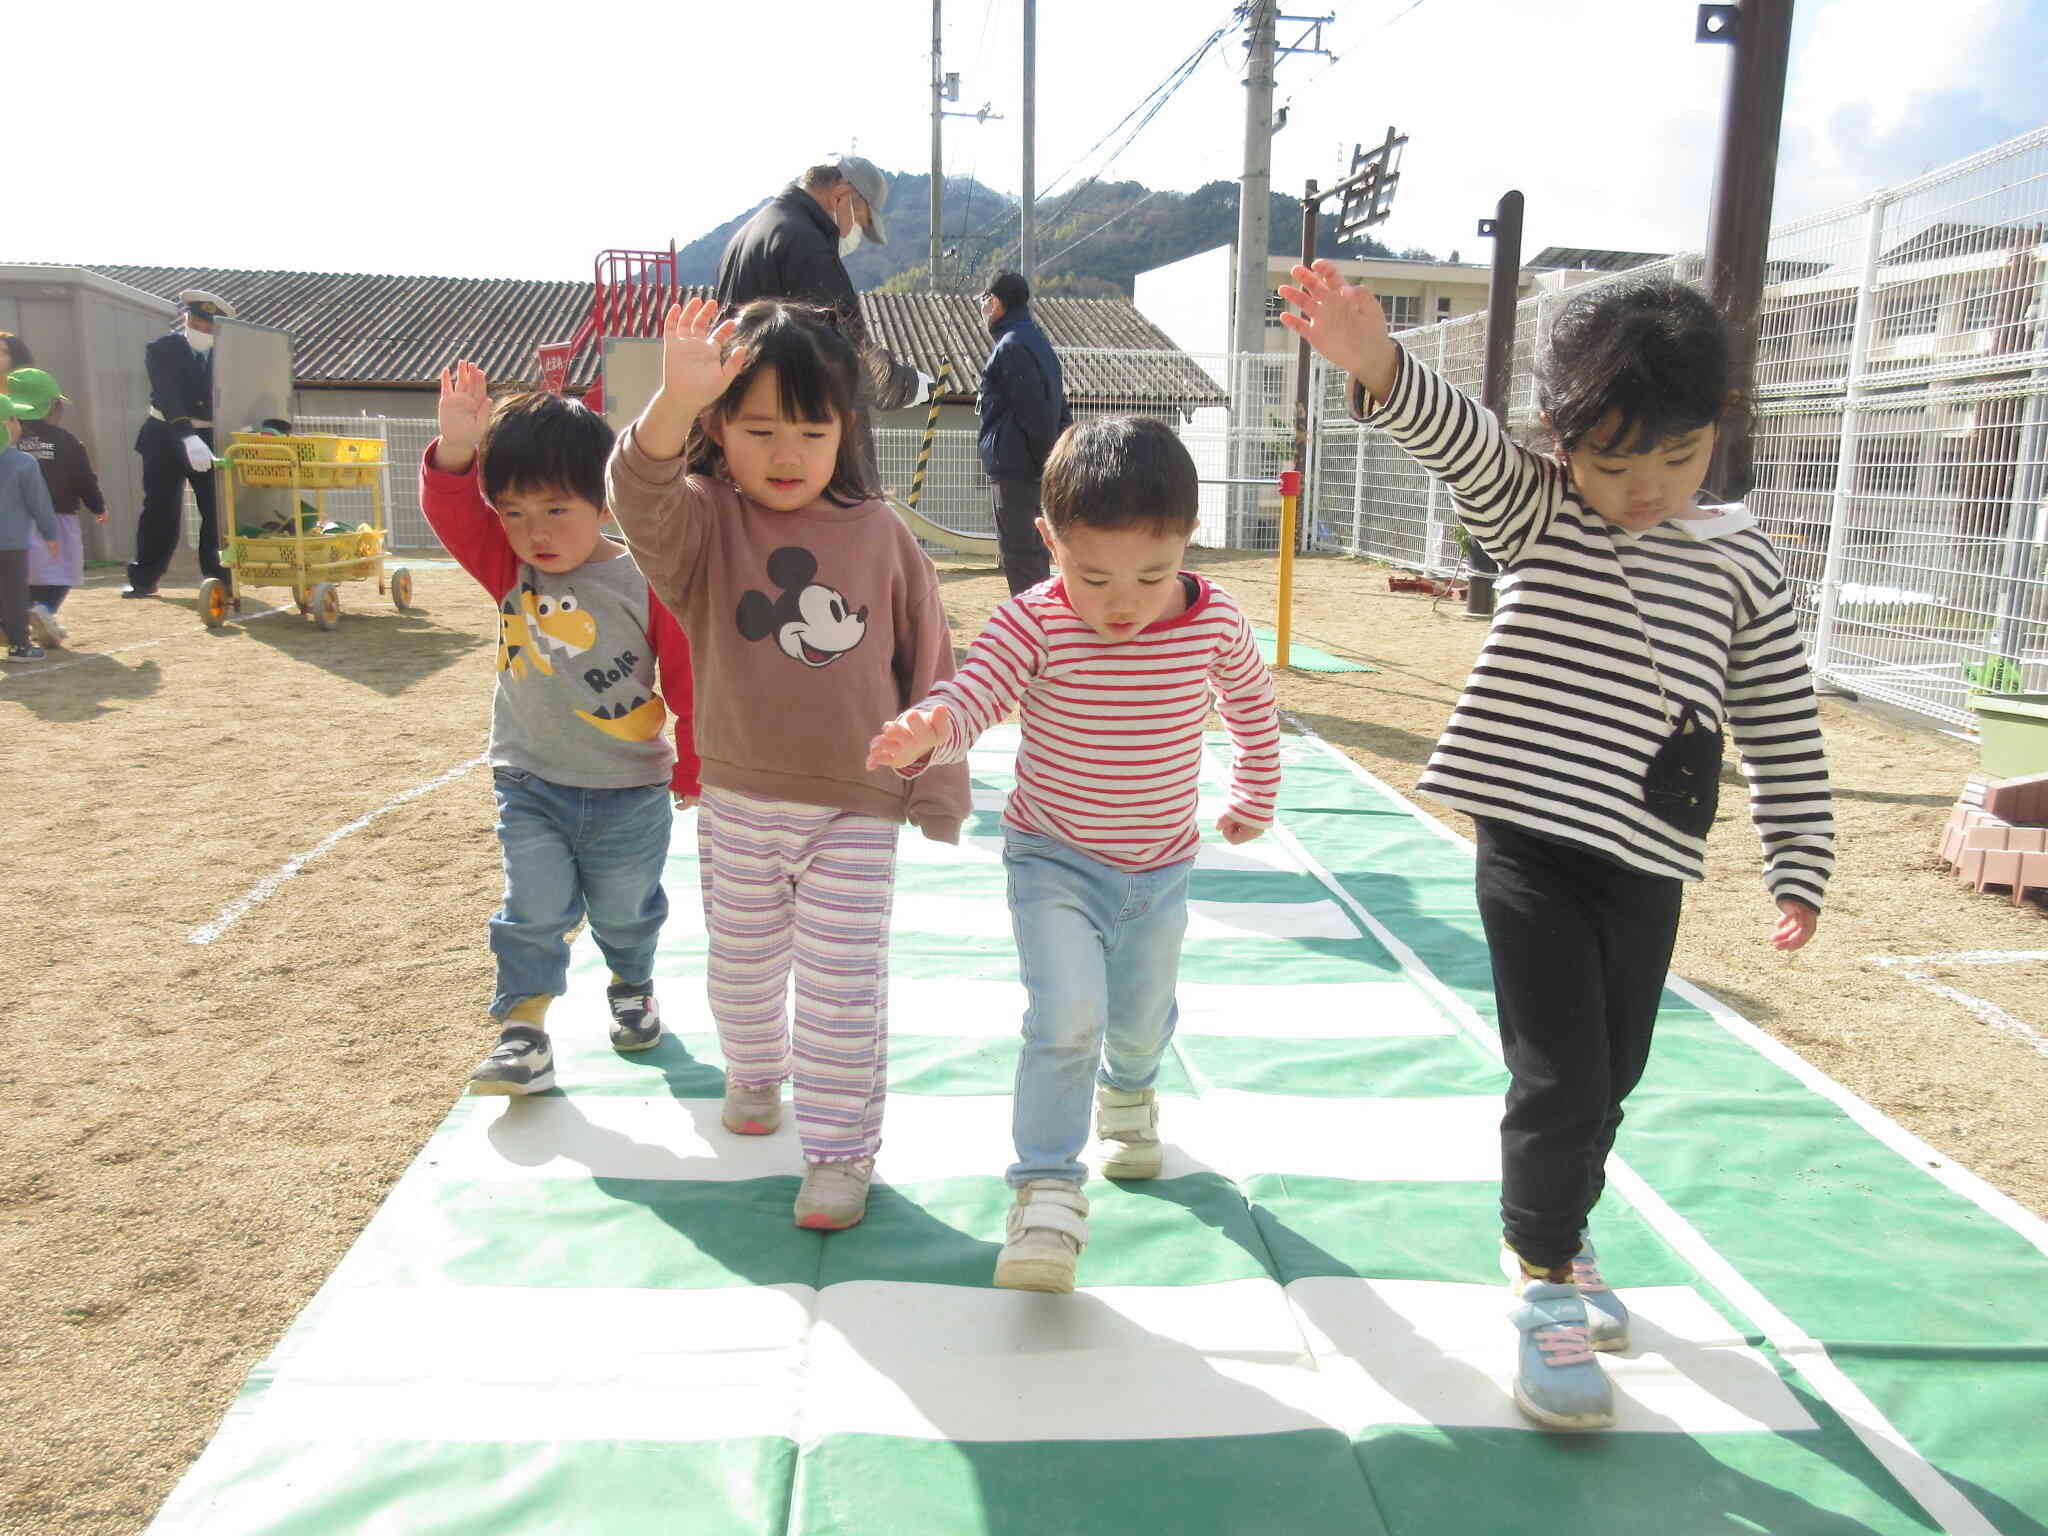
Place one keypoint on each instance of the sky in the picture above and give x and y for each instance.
(518, 139)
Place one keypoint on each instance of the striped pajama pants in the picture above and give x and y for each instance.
(809, 888)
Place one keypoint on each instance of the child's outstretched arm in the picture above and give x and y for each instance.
(1345, 324)
(1250, 712)
(1776, 726)
(693, 375)
(1504, 494)
(451, 493)
(992, 677)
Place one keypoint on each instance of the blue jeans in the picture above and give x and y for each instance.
(569, 852)
(1099, 951)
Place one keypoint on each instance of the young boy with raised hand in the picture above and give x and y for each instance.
(1112, 664)
(590, 667)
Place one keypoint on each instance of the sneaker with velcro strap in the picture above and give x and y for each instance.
(521, 1062)
(751, 1111)
(636, 1019)
(1606, 1313)
(1558, 1380)
(1045, 1231)
(1127, 1133)
(44, 626)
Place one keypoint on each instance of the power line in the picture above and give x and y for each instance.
(1150, 107)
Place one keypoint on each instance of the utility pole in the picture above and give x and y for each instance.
(938, 152)
(1255, 187)
(1739, 224)
(1027, 228)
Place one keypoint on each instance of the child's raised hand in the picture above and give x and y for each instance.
(463, 413)
(910, 736)
(692, 373)
(1235, 830)
(1796, 924)
(1344, 323)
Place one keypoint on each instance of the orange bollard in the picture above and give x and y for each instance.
(1290, 494)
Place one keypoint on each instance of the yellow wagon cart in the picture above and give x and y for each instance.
(312, 564)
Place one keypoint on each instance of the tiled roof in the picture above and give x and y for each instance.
(1590, 259)
(376, 330)
(927, 328)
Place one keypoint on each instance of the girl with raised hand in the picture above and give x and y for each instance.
(1587, 743)
(811, 613)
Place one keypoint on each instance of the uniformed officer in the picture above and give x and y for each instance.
(176, 444)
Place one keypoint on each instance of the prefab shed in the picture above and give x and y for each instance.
(88, 331)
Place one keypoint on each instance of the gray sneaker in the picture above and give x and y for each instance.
(521, 1062)
(44, 626)
(751, 1111)
(834, 1195)
(636, 1021)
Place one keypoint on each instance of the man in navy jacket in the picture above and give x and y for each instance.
(1023, 409)
(176, 444)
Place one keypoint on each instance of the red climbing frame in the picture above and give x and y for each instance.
(630, 292)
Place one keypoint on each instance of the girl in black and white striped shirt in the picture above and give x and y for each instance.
(1586, 745)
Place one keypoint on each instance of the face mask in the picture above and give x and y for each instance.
(200, 341)
(850, 241)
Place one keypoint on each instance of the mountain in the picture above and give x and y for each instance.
(1143, 229)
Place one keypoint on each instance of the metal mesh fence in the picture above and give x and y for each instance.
(1900, 411)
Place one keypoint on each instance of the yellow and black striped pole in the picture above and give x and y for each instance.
(931, 433)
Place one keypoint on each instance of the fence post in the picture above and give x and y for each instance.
(1845, 456)
(1432, 514)
(2027, 475)
(1359, 440)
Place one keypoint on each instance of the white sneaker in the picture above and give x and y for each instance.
(1127, 1125)
(1046, 1230)
(45, 626)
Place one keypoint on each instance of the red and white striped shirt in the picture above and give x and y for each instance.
(1112, 749)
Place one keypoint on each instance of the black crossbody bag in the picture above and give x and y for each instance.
(1682, 784)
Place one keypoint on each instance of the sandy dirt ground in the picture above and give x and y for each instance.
(193, 1133)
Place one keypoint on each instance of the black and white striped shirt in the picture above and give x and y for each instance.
(1562, 713)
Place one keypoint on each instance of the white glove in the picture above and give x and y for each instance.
(924, 388)
(197, 454)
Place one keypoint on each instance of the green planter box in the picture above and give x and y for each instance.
(2014, 728)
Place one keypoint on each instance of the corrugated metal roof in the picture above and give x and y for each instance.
(378, 330)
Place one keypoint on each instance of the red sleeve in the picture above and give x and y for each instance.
(465, 524)
(672, 667)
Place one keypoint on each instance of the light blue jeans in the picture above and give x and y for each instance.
(1099, 951)
(569, 852)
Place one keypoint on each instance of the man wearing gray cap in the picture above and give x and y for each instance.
(176, 444)
(791, 249)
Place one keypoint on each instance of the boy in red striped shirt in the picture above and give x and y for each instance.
(1112, 666)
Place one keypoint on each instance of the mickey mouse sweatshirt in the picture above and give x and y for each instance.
(807, 629)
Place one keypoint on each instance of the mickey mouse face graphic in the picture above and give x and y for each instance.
(810, 623)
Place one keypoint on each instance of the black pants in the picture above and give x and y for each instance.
(165, 474)
(14, 593)
(1580, 949)
(1026, 560)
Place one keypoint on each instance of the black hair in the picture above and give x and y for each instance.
(539, 442)
(18, 350)
(1121, 472)
(1651, 352)
(1010, 289)
(817, 378)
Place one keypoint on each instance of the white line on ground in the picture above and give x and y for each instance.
(1915, 968)
(1953, 1512)
(265, 888)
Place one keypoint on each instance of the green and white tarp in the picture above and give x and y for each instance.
(589, 1311)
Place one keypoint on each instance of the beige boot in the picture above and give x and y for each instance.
(1127, 1125)
(1046, 1230)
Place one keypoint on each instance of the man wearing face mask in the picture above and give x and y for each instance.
(176, 444)
(792, 249)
